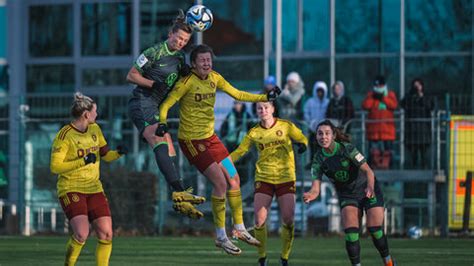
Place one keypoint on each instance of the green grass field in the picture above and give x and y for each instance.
(201, 251)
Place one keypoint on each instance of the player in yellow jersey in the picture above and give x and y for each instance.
(75, 158)
(196, 94)
(274, 174)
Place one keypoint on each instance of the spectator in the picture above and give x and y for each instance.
(380, 102)
(418, 109)
(235, 125)
(315, 111)
(268, 84)
(340, 109)
(289, 102)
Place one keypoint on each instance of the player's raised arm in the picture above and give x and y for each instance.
(299, 137)
(175, 95)
(246, 96)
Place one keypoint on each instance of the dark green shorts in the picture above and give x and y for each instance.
(358, 199)
(143, 111)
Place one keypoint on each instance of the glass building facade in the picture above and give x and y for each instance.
(61, 46)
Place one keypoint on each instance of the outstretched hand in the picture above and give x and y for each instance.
(310, 196)
(273, 93)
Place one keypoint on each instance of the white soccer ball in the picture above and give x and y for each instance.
(199, 18)
(415, 232)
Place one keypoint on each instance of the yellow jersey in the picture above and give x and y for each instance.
(276, 159)
(67, 159)
(196, 98)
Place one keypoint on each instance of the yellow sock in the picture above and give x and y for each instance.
(287, 236)
(102, 252)
(235, 203)
(218, 211)
(261, 235)
(73, 249)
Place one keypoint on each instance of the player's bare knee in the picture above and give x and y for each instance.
(81, 237)
(105, 235)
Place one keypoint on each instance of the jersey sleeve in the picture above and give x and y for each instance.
(297, 135)
(354, 155)
(179, 90)
(316, 171)
(144, 60)
(242, 149)
(225, 86)
(58, 154)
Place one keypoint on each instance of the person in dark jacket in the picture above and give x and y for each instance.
(418, 108)
(340, 108)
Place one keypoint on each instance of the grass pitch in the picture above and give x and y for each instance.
(201, 251)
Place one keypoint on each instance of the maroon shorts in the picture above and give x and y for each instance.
(93, 205)
(204, 152)
(275, 189)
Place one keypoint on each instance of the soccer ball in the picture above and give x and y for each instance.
(415, 232)
(199, 18)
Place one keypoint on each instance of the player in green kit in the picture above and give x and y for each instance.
(356, 185)
(155, 72)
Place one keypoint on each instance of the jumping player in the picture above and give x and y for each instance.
(274, 174)
(356, 186)
(75, 158)
(196, 94)
(155, 72)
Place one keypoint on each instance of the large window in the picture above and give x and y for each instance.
(438, 25)
(50, 78)
(316, 25)
(106, 29)
(358, 75)
(104, 77)
(156, 17)
(50, 30)
(236, 33)
(367, 26)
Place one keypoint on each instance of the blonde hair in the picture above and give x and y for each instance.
(81, 104)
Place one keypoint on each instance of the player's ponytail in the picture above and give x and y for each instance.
(179, 23)
(340, 136)
(81, 104)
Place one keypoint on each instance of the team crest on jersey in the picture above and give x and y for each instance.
(213, 85)
(258, 185)
(201, 147)
(279, 133)
(75, 198)
(94, 137)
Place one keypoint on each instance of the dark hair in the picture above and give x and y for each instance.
(413, 89)
(379, 80)
(179, 23)
(340, 136)
(81, 104)
(201, 49)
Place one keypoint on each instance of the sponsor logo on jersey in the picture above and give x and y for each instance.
(263, 146)
(342, 176)
(204, 96)
(141, 60)
(82, 152)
